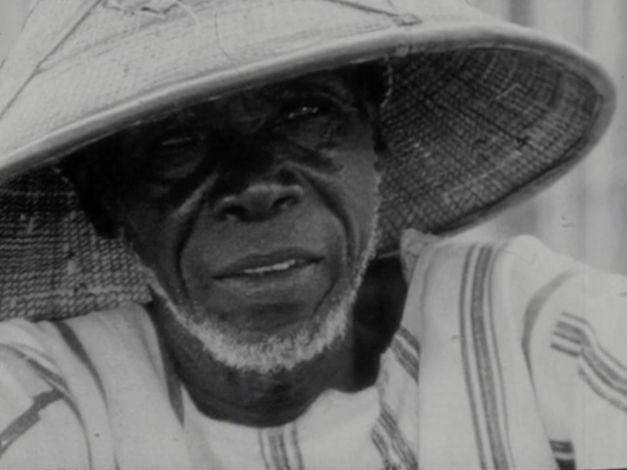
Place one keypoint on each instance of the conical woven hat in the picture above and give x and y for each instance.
(478, 112)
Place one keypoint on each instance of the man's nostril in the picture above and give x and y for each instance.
(291, 195)
(283, 203)
(232, 212)
(230, 207)
(258, 202)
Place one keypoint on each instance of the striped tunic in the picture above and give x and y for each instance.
(508, 356)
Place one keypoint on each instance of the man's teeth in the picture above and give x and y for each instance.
(273, 268)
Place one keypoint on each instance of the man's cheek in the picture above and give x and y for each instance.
(159, 237)
(361, 182)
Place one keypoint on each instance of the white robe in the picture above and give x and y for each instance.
(509, 356)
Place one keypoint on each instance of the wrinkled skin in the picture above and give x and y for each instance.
(256, 214)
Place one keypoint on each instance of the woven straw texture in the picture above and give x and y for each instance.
(474, 117)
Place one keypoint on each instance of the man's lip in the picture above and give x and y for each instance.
(259, 261)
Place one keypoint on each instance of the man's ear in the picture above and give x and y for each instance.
(93, 187)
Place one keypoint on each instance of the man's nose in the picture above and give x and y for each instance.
(259, 200)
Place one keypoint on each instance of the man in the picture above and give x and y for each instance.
(258, 165)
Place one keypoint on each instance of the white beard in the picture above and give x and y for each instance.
(272, 353)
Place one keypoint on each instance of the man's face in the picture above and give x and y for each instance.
(256, 214)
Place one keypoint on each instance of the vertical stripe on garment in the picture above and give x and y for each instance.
(411, 340)
(390, 442)
(407, 362)
(484, 370)
(54, 380)
(489, 362)
(481, 361)
(49, 376)
(31, 353)
(378, 440)
(173, 384)
(388, 439)
(280, 448)
(262, 447)
(407, 352)
(43, 371)
(564, 454)
(27, 419)
(70, 337)
(399, 443)
(295, 443)
(468, 375)
(498, 369)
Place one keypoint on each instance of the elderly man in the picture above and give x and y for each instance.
(237, 300)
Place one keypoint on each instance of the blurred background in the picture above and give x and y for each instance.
(585, 214)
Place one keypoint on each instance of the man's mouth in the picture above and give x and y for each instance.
(268, 265)
(274, 290)
(275, 268)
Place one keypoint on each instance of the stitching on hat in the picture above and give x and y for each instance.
(74, 21)
(158, 8)
(398, 17)
(218, 35)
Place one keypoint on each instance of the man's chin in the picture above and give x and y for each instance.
(280, 350)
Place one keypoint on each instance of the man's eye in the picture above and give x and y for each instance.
(310, 121)
(177, 141)
(173, 156)
(303, 111)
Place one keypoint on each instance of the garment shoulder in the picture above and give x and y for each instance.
(550, 302)
(60, 345)
(560, 323)
(51, 379)
(558, 301)
(574, 327)
(539, 289)
(516, 275)
(35, 404)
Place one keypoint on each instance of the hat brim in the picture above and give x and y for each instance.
(482, 113)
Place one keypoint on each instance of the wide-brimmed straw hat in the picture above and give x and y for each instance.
(478, 113)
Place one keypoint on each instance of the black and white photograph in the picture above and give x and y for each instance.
(313, 234)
